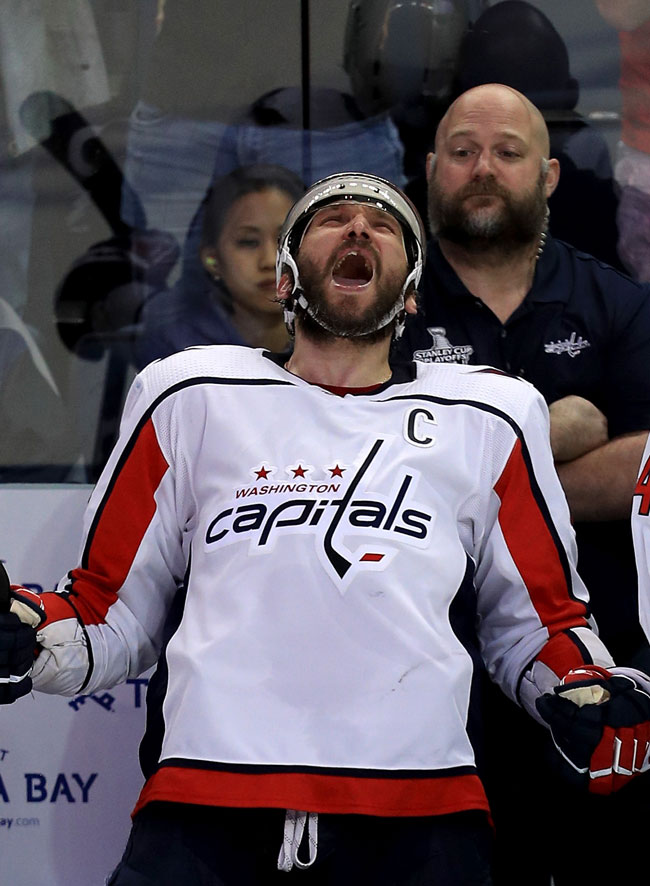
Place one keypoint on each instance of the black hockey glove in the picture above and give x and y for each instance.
(600, 723)
(21, 612)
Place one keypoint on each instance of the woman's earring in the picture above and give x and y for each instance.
(212, 263)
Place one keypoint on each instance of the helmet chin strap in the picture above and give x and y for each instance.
(297, 296)
(285, 258)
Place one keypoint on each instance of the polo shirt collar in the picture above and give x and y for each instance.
(545, 286)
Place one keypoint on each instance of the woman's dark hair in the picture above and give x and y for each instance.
(241, 181)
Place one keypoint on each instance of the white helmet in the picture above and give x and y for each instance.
(353, 187)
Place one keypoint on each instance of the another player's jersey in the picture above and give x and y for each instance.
(641, 536)
(322, 575)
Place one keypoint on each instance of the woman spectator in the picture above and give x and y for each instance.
(232, 301)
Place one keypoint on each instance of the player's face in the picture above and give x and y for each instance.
(245, 251)
(352, 266)
(488, 180)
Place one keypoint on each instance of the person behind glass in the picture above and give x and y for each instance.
(319, 544)
(240, 219)
(207, 105)
(583, 205)
(499, 290)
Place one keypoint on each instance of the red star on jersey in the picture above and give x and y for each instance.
(299, 471)
(336, 471)
(263, 473)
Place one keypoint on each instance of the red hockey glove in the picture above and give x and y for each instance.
(21, 612)
(600, 723)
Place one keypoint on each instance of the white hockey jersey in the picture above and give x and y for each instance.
(314, 574)
(641, 537)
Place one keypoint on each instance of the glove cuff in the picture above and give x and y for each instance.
(585, 685)
(26, 605)
(585, 673)
(57, 607)
(39, 610)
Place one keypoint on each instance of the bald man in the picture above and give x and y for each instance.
(499, 290)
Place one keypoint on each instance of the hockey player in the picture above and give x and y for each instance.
(641, 536)
(321, 555)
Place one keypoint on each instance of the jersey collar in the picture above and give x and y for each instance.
(403, 371)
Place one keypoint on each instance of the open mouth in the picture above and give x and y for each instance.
(352, 270)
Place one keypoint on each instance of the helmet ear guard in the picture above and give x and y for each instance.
(353, 187)
(413, 278)
(285, 263)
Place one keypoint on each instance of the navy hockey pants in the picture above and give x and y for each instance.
(173, 845)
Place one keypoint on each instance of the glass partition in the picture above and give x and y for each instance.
(150, 149)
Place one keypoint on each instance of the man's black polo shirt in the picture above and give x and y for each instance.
(584, 328)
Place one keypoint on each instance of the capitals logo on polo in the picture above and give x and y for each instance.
(574, 345)
(442, 350)
(355, 525)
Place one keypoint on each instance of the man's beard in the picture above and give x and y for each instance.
(325, 322)
(518, 222)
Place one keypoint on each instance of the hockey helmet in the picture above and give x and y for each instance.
(353, 187)
(398, 53)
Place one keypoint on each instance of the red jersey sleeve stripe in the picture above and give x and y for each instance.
(535, 548)
(562, 653)
(120, 523)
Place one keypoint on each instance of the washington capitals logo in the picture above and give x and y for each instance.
(572, 346)
(380, 523)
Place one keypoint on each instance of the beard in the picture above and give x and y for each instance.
(518, 222)
(324, 321)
